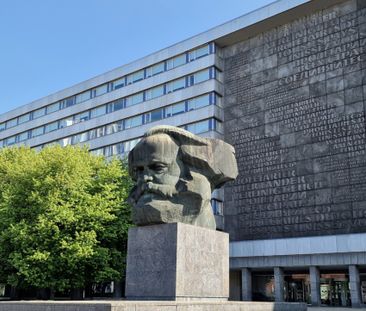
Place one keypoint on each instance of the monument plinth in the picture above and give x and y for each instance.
(177, 262)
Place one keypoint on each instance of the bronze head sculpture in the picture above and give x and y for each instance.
(175, 173)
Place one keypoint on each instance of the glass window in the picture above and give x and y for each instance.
(68, 102)
(98, 152)
(65, 141)
(82, 97)
(100, 90)
(51, 127)
(1, 143)
(96, 133)
(178, 108)
(117, 105)
(218, 126)
(112, 128)
(37, 131)
(203, 51)
(24, 118)
(117, 84)
(176, 61)
(218, 100)
(156, 115)
(39, 113)
(53, 107)
(217, 207)
(201, 76)
(84, 116)
(199, 127)
(154, 70)
(199, 102)
(11, 123)
(136, 76)
(134, 99)
(11, 140)
(99, 111)
(176, 85)
(132, 122)
(80, 138)
(66, 122)
(2, 126)
(23, 136)
(154, 92)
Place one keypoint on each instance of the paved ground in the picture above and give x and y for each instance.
(334, 309)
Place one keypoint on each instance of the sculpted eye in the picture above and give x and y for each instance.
(158, 167)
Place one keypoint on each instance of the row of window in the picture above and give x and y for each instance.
(113, 85)
(145, 118)
(122, 149)
(122, 103)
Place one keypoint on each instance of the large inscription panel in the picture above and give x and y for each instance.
(295, 113)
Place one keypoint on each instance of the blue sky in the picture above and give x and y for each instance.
(47, 45)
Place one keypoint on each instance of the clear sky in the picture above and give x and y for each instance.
(48, 45)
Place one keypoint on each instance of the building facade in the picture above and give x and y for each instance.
(285, 85)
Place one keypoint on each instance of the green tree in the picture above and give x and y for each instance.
(63, 217)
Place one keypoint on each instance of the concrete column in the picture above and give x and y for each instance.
(315, 286)
(279, 284)
(246, 284)
(355, 286)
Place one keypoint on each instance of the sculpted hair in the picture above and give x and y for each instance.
(212, 158)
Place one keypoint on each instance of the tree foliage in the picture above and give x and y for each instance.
(63, 217)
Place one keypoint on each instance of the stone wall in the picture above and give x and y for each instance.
(295, 113)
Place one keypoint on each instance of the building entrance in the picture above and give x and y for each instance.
(334, 290)
(297, 288)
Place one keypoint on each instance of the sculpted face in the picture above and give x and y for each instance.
(166, 190)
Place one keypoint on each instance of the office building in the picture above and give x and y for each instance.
(285, 85)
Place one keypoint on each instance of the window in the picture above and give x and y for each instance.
(136, 76)
(201, 76)
(51, 127)
(218, 126)
(119, 83)
(2, 126)
(81, 117)
(199, 102)
(99, 111)
(37, 131)
(11, 123)
(22, 136)
(199, 127)
(66, 122)
(176, 61)
(24, 118)
(175, 109)
(154, 70)
(1, 143)
(154, 115)
(114, 127)
(134, 99)
(100, 90)
(176, 85)
(132, 122)
(11, 140)
(96, 133)
(53, 107)
(39, 113)
(117, 105)
(98, 152)
(68, 102)
(217, 207)
(154, 92)
(80, 138)
(203, 51)
(82, 97)
(65, 141)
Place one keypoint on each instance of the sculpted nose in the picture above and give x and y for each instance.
(147, 177)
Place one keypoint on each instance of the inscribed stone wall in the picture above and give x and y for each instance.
(295, 113)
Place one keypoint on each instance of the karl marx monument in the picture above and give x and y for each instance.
(175, 252)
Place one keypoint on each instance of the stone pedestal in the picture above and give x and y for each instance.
(177, 262)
